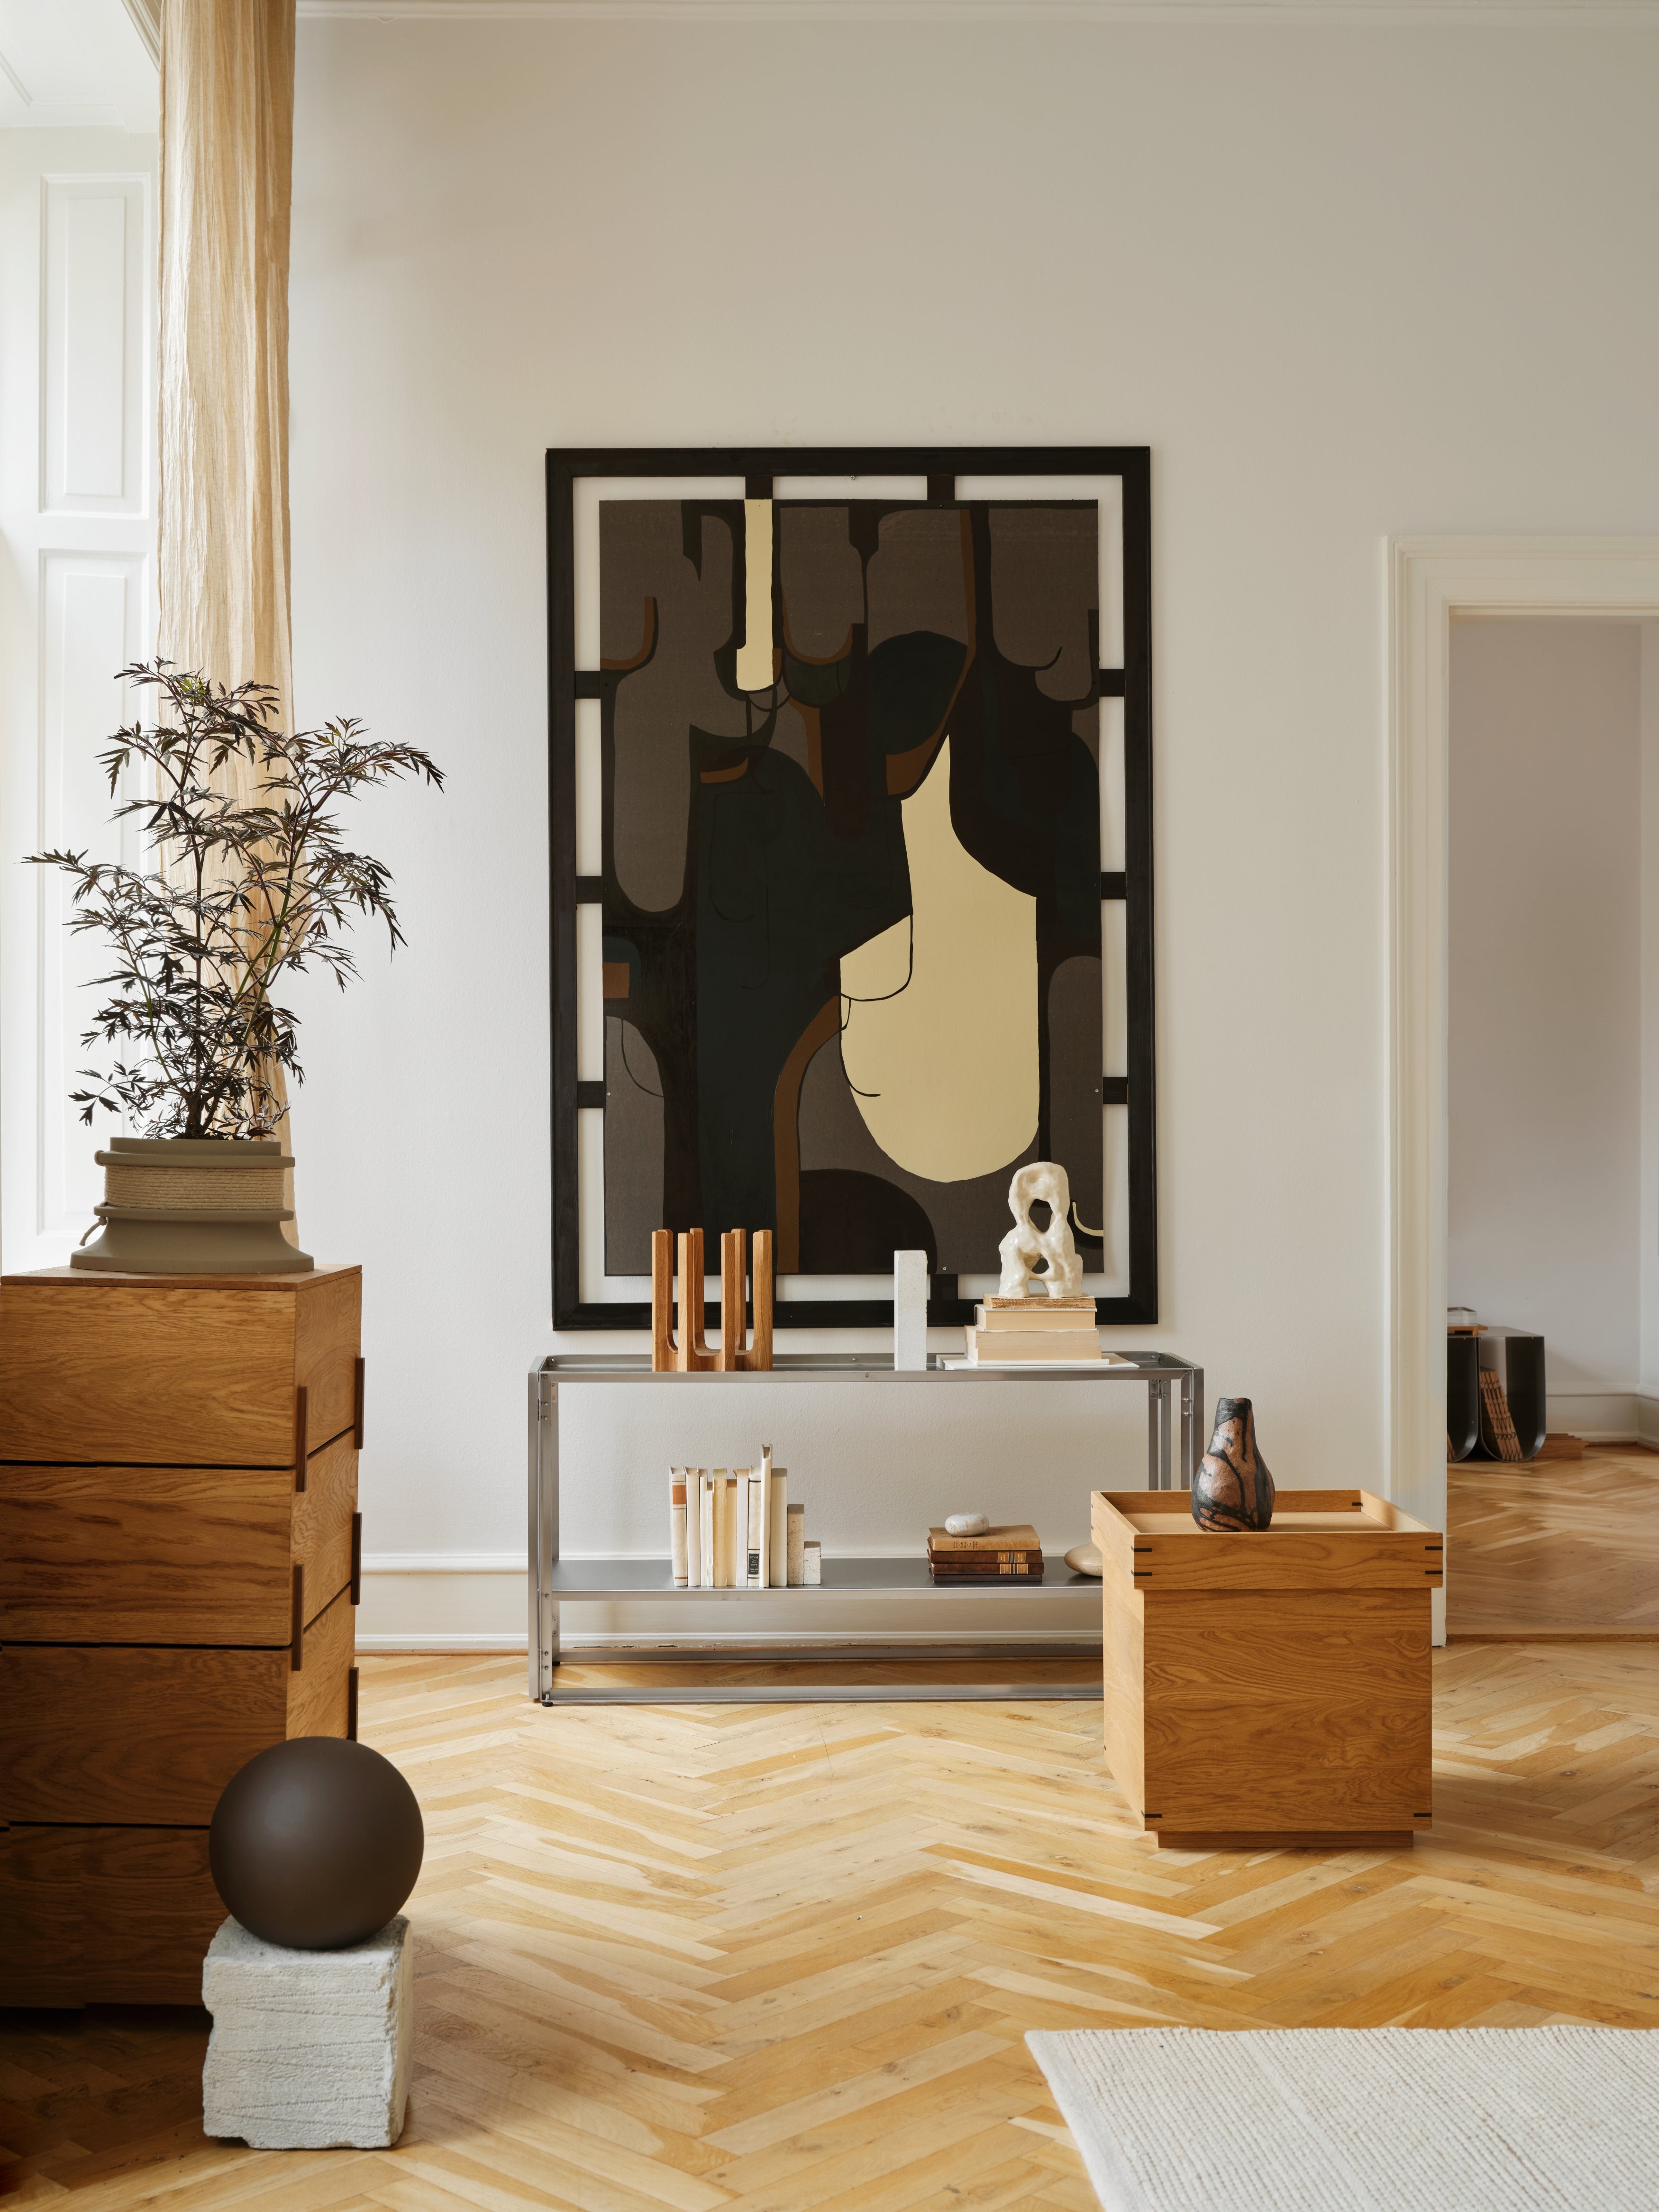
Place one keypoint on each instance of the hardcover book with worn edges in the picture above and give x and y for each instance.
(1020, 1536)
(1031, 1344)
(1067, 1316)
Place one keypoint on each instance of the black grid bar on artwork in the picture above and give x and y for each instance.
(1133, 682)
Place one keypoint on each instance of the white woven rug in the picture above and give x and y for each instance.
(1381, 2119)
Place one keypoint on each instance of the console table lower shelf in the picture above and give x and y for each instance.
(594, 1580)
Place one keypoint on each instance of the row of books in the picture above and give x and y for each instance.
(1010, 1554)
(1033, 1328)
(734, 1529)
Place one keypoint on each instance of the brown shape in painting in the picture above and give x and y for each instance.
(1232, 1489)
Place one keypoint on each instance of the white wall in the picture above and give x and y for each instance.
(1648, 1382)
(1544, 1064)
(1344, 279)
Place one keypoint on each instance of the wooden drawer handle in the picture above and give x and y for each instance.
(301, 1436)
(296, 1650)
(356, 1559)
(357, 1405)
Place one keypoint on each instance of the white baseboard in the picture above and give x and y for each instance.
(1600, 1417)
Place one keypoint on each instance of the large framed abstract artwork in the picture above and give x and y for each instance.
(851, 795)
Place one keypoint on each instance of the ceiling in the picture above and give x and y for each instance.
(68, 64)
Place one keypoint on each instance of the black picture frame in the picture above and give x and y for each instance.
(940, 465)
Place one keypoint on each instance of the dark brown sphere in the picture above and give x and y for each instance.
(316, 1843)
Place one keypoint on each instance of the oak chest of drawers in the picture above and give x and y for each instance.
(178, 1550)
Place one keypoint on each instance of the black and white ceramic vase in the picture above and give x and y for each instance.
(1232, 1489)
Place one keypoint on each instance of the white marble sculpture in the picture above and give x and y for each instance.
(1025, 1244)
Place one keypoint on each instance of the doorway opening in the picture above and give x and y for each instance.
(1570, 1229)
(1552, 1077)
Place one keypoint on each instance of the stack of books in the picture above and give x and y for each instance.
(734, 1529)
(995, 1555)
(1032, 1328)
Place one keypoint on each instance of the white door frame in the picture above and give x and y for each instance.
(1429, 580)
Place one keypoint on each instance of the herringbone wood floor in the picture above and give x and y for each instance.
(782, 1957)
(1555, 1546)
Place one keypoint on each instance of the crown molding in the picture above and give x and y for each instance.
(1558, 14)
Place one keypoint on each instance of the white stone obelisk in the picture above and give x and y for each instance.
(910, 1311)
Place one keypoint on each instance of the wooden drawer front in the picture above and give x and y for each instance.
(146, 1555)
(105, 1916)
(322, 1525)
(171, 1555)
(115, 1733)
(320, 1696)
(1287, 1710)
(204, 1378)
(129, 1375)
(327, 1333)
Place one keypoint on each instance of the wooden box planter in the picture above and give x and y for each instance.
(1268, 1688)
(178, 1563)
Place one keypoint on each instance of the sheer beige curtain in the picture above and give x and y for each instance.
(226, 169)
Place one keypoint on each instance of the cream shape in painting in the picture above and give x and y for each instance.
(943, 1066)
(755, 653)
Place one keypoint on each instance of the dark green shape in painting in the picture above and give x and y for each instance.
(780, 901)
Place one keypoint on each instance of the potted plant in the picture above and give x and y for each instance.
(248, 885)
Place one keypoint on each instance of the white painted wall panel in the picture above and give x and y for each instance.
(95, 333)
(76, 601)
(92, 623)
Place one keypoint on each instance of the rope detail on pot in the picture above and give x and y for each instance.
(190, 1188)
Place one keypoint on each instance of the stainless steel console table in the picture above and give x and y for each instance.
(1175, 1425)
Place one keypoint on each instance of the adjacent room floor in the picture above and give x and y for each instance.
(1555, 1548)
(784, 1957)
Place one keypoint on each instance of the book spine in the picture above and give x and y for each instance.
(693, 1529)
(989, 1572)
(706, 1498)
(754, 1508)
(737, 1490)
(813, 1563)
(676, 1523)
(795, 1554)
(983, 1559)
(765, 1473)
(722, 1529)
(777, 1531)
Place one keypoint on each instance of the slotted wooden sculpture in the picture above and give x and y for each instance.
(737, 1351)
(677, 1345)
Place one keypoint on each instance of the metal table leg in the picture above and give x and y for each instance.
(1166, 1434)
(533, 1545)
(1154, 1387)
(543, 1532)
(1192, 1424)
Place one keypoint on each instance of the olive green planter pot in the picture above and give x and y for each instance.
(192, 1205)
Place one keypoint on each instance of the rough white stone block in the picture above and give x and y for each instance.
(309, 2049)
